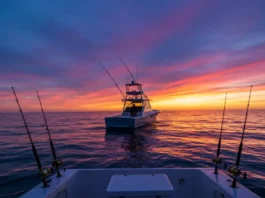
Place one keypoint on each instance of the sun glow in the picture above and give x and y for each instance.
(210, 101)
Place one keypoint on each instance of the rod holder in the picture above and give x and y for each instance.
(217, 160)
(57, 164)
(235, 171)
(44, 173)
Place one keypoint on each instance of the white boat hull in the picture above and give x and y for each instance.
(131, 122)
(166, 182)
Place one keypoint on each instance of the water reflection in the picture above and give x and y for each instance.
(136, 144)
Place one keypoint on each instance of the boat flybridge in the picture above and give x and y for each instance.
(137, 110)
(137, 182)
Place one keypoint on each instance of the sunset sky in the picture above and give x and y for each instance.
(188, 54)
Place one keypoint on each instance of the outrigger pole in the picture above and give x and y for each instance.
(132, 76)
(127, 69)
(235, 170)
(44, 172)
(56, 162)
(217, 159)
(112, 79)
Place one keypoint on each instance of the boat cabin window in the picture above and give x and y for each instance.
(133, 107)
(134, 90)
(147, 107)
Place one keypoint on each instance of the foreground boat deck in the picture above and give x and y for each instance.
(186, 182)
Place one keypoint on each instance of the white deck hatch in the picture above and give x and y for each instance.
(149, 185)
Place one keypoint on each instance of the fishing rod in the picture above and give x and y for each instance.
(217, 159)
(112, 79)
(235, 170)
(56, 162)
(127, 69)
(136, 74)
(44, 172)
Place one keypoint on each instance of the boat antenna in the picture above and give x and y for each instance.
(43, 171)
(217, 160)
(132, 76)
(127, 69)
(135, 73)
(56, 163)
(112, 80)
(235, 170)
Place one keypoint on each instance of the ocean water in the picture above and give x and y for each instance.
(178, 139)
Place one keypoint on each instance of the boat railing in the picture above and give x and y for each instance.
(134, 93)
(134, 100)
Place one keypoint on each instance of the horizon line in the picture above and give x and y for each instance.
(165, 110)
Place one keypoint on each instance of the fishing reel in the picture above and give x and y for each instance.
(217, 160)
(45, 172)
(234, 170)
(57, 163)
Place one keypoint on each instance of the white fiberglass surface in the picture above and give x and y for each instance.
(186, 183)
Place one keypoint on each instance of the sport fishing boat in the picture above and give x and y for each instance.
(137, 110)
